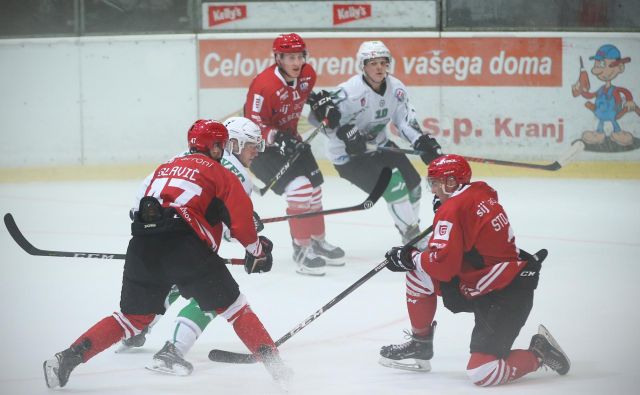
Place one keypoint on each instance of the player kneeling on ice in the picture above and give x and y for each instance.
(176, 234)
(473, 262)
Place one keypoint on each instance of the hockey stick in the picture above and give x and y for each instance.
(30, 249)
(376, 193)
(557, 165)
(288, 164)
(234, 357)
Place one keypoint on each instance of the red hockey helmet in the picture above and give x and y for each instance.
(205, 133)
(449, 166)
(289, 43)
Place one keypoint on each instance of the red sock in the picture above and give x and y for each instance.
(421, 309)
(101, 336)
(250, 330)
(300, 228)
(487, 370)
(109, 331)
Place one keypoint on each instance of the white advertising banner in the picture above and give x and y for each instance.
(305, 15)
(514, 97)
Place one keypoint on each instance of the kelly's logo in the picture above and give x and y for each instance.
(223, 14)
(343, 13)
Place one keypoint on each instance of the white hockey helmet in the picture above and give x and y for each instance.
(243, 130)
(370, 50)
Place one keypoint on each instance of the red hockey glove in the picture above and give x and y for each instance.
(261, 263)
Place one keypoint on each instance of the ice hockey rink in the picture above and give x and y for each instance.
(587, 296)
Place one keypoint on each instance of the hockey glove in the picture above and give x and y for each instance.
(289, 144)
(400, 259)
(323, 107)
(429, 146)
(355, 143)
(436, 203)
(452, 298)
(261, 263)
(257, 222)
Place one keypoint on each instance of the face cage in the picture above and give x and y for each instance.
(259, 145)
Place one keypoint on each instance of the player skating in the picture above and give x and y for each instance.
(274, 102)
(175, 235)
(245, 142)
(473, 259)
(367, 103)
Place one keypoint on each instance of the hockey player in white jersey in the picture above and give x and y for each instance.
(245, 143)
(366, 104)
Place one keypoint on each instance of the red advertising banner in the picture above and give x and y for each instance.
(343, 13)
(417, 61)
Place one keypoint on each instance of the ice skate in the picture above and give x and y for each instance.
(309, 263)
(333, 255)
(58, 369)
(133, 342)
(413, 355)
(169, 360)
(547, 349)
(280, 372)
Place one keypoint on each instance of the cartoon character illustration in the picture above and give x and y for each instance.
(611, 102)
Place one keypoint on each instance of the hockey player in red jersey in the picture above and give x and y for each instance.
(176, 233)
(274, 102)
(473, 262)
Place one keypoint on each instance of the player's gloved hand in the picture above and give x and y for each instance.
(323, 107)
(261, 263)
(452, 298)
(400, 259)
(436, 203)
(355, 143)
(257, 222)
(289, 144)
(429, 146)
(226, 235)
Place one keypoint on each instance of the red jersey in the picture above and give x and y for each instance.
(272, 103)
(191, 184)
(472, 239)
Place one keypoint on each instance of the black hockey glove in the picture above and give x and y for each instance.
(257, 222)
(429, 146)
(261, 263)
(355, 143)
(436, 203)
(399, 259)
(452, 299)
(530, 275)
(289, 144)
(323, 107)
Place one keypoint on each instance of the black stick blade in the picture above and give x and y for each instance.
(231, 357)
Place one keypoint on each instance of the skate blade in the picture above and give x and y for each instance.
(124, 349)
(419, 365)
(180, 371)
(310, 272)
(542, 330)
(50, 378)
(338, 262)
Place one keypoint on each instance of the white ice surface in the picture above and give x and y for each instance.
(587, 296)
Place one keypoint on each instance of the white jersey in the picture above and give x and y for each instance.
(230, 162)
(370, 112)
